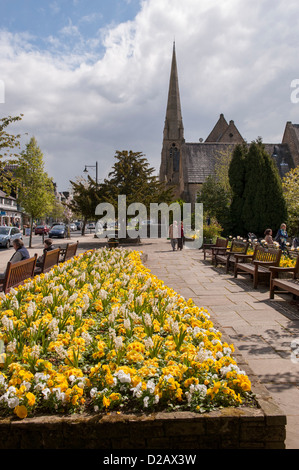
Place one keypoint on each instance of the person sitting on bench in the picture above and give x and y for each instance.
(20, 253)
(48, 246)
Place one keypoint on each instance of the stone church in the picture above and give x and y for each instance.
(185, 166)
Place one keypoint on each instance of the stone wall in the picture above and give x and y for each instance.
(261, 427)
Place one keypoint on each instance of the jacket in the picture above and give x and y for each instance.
(20, 255)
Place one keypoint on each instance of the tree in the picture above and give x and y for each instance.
(35, 190)
(258, 202)
(9, 144)
(216, 201)
(290, 184)
(236, 175)
(133, 177)
(86, 197)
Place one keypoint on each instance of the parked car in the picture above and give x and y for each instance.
(91, 226)
(78, 225)
(73, 227)
(57, 223)
(40, 229)
(59, 231)
(8, 235)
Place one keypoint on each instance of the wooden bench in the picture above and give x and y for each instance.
(285, 285)
(17, 273)
(69, 251)
(259, 264)
(207, 247)
(228, 258)
(51, 258)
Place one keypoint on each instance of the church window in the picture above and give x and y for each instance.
(175, 156)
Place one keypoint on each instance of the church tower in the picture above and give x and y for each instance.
(171, 169)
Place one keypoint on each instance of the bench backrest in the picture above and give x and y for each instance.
(270, 255)
(239, 247)
(50, 259)
(17, 273)
(221, 242)
(71, 250)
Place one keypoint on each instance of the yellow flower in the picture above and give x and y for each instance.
(106, 402)
(21, 411)
(31, 398)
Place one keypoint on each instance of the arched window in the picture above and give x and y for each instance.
(175, 156)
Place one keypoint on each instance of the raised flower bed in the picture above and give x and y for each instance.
(101, 333)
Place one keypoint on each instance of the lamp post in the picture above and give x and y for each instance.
(92, 166)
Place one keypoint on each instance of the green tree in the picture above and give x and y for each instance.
(35, 190)
(258, 202)
(290, 184)
(133, 177)
(236, 175)
(86, 197)
(216, 201)
(9, 146)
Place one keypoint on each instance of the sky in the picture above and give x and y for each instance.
(91, 76)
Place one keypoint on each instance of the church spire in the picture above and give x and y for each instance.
(174, 129)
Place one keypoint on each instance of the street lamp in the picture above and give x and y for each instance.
(92, 166)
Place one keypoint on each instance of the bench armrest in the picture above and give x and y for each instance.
(208, 246)
(263, 263)
(239, 255)
(217, 249)
(282, 269)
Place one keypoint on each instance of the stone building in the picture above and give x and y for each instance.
(185, 166)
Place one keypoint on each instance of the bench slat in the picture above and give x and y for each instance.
(262, 260)
(17, 273)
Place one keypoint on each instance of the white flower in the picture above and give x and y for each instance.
(145, 402)
(150, 386)
(148, 342)
(123, 377)
(13, 402)
(103, 294)
(93, 392)
(127, 324)
(118, 342)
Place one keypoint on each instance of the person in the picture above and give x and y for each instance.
(174, 234)
(20, 253)
(282, 236)
(48, 246)
(181, 238)
(268, 236)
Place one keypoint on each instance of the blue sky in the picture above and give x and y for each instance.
(91, 76)
(44, 18)
(67, 19)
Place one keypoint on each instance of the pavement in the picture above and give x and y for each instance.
(262, 330)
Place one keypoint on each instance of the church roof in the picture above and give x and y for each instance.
(218, 130)
(200, 159)
(224, 132)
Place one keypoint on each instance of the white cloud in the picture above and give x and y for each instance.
(234, 57)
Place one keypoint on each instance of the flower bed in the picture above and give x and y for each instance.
(100, 332)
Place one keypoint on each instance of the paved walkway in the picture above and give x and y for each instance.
(261, 329)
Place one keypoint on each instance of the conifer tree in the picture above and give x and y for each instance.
(258, 202)
(237, 182)
(264, 204)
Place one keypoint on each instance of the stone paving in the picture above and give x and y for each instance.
(260, 329)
